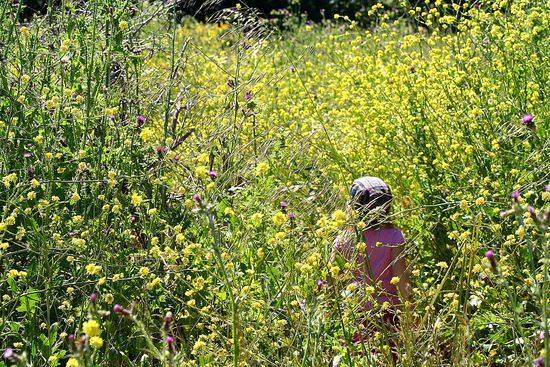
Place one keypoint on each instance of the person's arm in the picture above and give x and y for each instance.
(343, 247)
(399, 267)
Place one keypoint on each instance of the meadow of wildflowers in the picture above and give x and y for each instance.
(170, 192)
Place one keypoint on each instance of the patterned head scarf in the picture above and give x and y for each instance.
(369, 193)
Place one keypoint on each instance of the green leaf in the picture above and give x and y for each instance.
(340, 261)
(14, 326)
(13, 285)
(28, 301)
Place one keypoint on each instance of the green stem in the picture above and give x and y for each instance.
(529, 248)
(89, 76)
(229, 288)
(544, 300)
(172, 68)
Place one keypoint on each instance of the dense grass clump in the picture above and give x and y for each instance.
(170, 192)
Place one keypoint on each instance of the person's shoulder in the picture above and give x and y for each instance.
(395, 233)
(390, 228)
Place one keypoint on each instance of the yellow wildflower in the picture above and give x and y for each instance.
(394, 280)
(339, 217)
(262, 168)
(136, 199)
(93, 269)
(96, 342)
(147, 134)
(91, 328)
(279, 218)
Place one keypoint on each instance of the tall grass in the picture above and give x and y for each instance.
(178, 185)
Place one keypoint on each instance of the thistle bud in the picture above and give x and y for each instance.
(168, 318)
(490, 255)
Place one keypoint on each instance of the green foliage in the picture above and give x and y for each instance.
(144, 162)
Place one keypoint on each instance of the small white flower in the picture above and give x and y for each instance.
(475, 300)
(519, 340)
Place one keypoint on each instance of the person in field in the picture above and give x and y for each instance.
(378, 260)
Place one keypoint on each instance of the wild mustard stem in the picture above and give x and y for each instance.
(90, 66)
(168, 99)
(229, 287)
(530, 250)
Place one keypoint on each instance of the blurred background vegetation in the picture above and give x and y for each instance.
(312, 10)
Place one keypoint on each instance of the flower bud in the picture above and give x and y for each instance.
(490, 255)
(140, 120)
(8, 354)
(170, 342)
(527, 119)
(120, 310)
(168, 318)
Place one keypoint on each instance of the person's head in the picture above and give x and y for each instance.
(371, 198)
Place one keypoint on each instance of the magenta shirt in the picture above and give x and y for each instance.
(380, 258)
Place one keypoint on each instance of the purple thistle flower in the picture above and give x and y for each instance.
(320, 285)
(539, 362)
(27, 154)
(120, 310)
(548, 188)
(8, 354)
(490, 255)
(527, 119)
(71, 339)
(170, 342)
(197, 198)
(161, 150)
(212, 173)
(248, 95)
(541, 335)
(291, 216)
(283, 204)
(93, 298)
(515, 195)
(140, 120)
